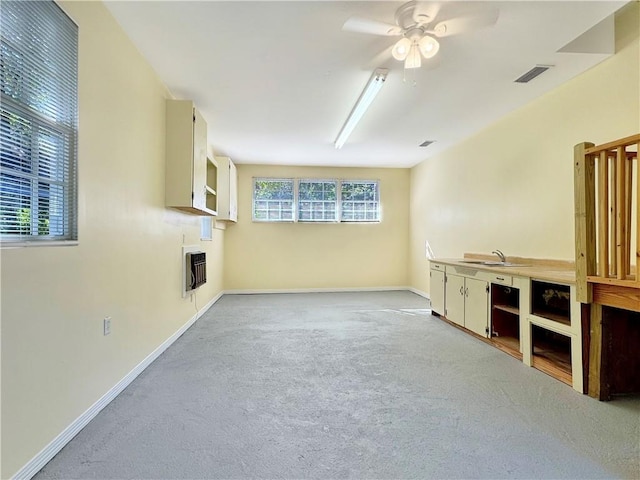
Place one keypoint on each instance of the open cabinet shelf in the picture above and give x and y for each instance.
(551, 353)
(551, 301)
(212, 185)
(505, 319)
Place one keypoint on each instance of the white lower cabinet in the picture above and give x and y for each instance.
(467, 302)
(476, 316)
(437, 290)
(454, 293)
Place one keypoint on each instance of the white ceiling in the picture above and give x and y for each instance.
(276, 80)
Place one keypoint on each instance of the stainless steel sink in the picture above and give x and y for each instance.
(490, 263)
(502, 264)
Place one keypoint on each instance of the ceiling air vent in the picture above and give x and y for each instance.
(426, 143)
(533, 73)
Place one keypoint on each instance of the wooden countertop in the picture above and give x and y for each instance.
(560, 271)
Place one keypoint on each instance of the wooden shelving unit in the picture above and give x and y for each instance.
(551, 301)
(508, 309)
(505, 319)
(551, 353)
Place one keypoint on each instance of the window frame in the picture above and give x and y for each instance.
(296, 200)
(52, 135)
(293, 200)
(378, 210)
(336, 202)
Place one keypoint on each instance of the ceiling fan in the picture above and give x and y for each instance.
(416, 24)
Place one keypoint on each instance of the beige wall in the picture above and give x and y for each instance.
(55, 361)
(302, 255)
(511, 186)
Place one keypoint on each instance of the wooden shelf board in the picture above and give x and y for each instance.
(507, 308)
(510, 345)
(210, 190)
(558, 371)
(553, 316)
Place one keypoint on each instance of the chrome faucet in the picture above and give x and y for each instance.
(500, 255)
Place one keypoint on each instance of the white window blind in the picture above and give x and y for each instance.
(317, 200)
(38, 122)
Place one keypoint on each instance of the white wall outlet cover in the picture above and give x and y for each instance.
(106, 326)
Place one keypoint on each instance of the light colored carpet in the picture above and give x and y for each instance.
(348, 385)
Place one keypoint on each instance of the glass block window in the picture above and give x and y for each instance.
(273, 200)
(317, 200)
(359, 201)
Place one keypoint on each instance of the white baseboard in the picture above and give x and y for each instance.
(34, 465)
(419, 292)
(311, 290)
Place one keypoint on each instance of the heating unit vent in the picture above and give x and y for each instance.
(533, 73)
(426, 143)
(196, 270)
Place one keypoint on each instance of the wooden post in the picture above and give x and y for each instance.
(621, 215)
(603, 214)
(584, 195)
(637, 254)
(595, 350)
(628, 202)
(612, 217)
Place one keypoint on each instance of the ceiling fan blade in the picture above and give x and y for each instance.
(467, 23)
(425, 12)
(373, 27)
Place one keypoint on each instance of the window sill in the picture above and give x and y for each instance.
(59, 243)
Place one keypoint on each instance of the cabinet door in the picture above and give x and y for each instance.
(476, 306)
(454, 299)
(233, 192)
(437, 291)
(199, 161)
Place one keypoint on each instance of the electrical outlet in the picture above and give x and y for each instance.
(106, 326)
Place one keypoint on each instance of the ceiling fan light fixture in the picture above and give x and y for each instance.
(413, 60)
(401, 49)
(429, 46)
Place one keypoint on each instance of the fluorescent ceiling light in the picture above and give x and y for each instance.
(368, 94)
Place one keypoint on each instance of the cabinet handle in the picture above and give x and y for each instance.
(500, 278)
(466, 292)
(461, 290)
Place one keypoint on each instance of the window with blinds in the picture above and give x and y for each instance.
(38, 123)
(316, 200)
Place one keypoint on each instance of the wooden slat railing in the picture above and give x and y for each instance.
(605, 176)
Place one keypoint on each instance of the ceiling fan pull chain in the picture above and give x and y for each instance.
(414, 83)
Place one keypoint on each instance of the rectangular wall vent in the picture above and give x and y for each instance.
(196, 270)
(426, 143)
(533, 73)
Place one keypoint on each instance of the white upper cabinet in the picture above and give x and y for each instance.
(190, 185)
(227, 190)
